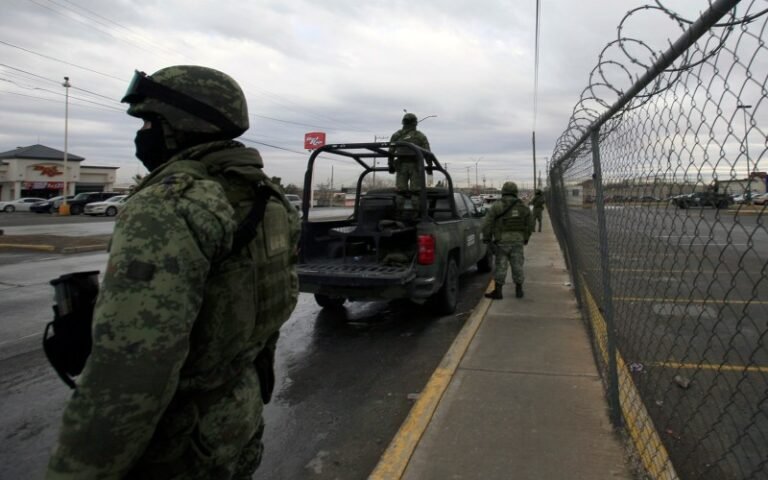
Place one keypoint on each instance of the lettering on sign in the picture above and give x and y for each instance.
(313, 140)
(48, 170)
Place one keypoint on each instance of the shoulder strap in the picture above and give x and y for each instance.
(248, 228)
(504, 212)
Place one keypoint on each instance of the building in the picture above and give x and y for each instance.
(38, 171)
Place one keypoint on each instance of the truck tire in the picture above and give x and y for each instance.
(485, 264)
(445, 300)
(329, 302)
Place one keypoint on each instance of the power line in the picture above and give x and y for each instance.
(53, 100)
(62, 61)
(60, 94)
(58, 82)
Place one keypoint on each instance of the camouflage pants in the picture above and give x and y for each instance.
(509, 255)
(407, 178)
(537, 217)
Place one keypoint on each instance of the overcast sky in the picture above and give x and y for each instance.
(345, 67)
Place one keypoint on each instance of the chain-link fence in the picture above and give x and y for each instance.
(657, 197)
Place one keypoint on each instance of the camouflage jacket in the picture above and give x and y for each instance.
(538, 202)
(170, 389)
(409, 134)
(510, 228)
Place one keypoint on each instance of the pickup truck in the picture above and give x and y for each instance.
(390, 248)
(702, 199)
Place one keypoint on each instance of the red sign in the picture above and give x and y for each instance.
(313, 140)
(48, 170)
(43, 185)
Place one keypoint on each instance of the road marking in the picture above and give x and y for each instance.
(709, 366)
(393, 463)
(42, 248)
(690, 300)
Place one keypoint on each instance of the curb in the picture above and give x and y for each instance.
(84, 248)
(396, 457)
(39, 248)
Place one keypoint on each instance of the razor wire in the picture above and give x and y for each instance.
(682, 169)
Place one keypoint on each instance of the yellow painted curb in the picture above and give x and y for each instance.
(393, 463)
(42, 248)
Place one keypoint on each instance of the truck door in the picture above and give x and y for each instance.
(470, 239)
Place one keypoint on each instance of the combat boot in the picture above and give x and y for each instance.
(495, 294)
(519, 290)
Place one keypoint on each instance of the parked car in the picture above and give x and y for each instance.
(745, 198)
(22, 204)
(49, 206)
(760, 199)
(294, 199)
(109, 207)
(77, 204)
(701, 200)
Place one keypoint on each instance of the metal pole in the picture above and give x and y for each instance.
(613, 377)
(743, 109)
(533, 140)
(63, 206)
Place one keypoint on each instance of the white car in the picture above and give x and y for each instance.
(109, 207)
(20, 204)
(294, 199)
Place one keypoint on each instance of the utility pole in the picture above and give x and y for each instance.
(746, 148)
(534, 159)
(64, 206)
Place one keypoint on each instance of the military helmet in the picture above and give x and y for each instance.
(410, 119)
(509, 188)
(191, 99)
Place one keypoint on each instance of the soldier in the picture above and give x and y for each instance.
(195, 291)
(407, 181)
(507, 227)
(538, 207)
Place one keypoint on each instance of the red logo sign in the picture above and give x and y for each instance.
(48, 170)
(313, 140)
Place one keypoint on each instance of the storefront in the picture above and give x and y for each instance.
(38, 171)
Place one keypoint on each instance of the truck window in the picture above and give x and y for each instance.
(461, 207)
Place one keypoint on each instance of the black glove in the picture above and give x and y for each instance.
(265, 369)
(525, 242)
(391, 166)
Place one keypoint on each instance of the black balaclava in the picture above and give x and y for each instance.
(150, 145)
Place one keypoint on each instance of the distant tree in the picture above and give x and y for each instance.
(291, 188)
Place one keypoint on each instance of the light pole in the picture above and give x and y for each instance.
(476, 181)
(746, 148)
(64, 206)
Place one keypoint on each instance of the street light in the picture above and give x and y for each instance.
(746, 148)
(476, 181)
(64, 207)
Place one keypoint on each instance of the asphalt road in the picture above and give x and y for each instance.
(346, 379)
(690, 300)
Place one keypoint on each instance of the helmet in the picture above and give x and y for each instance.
(509, 188)
(410, 119)
(190, 99)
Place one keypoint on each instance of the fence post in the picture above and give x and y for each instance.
(570, 248)
(613, 377)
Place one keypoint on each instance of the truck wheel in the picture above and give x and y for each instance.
(485, 264)
(444, 301)
(111, 212)
(329, 302)
(722, 204)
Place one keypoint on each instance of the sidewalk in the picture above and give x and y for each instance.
(520, 396)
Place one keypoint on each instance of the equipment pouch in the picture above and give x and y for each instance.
(69, 346)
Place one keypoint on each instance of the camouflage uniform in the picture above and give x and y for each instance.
(508, 224)
(538, 208)
(172, 388)
(408, 181)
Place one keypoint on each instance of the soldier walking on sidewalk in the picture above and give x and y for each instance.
(538, 207)
(508, 226)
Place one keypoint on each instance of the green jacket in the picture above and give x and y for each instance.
(412, 135)
(508, 222)
(170, 387)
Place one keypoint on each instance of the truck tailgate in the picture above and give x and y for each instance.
(354, 275)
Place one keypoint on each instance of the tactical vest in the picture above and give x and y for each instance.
(511, 226)
(250, 293)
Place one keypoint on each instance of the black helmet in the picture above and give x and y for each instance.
(409, 119)
(191, 99)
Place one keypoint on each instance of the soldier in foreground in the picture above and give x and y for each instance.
(196, 289)
(508, 226)
(407, 181)
(538, 207)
